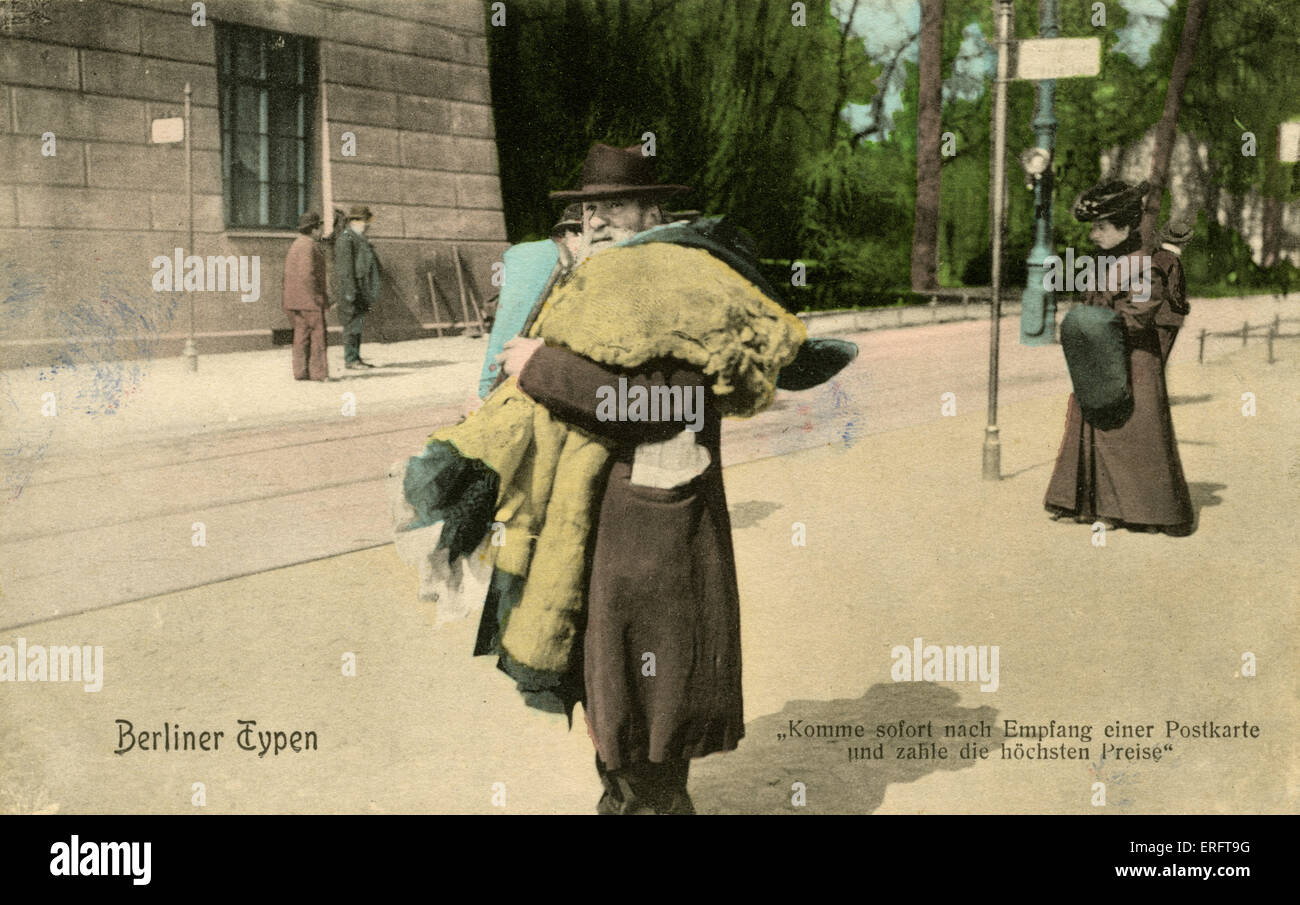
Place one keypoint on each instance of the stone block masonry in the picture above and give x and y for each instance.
(408, 81)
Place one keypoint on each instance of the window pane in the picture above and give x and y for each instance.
(284, 111)
(248, 153)
(249, 60)
(225, 52)
(284, 205)
(284, 159)
(245, 197)
(248, 106)
(266, 98)
(282, 62)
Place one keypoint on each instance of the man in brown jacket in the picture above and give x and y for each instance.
(305, 300)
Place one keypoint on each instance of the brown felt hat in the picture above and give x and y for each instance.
(359, 212)
(309, 220)
(610, 172)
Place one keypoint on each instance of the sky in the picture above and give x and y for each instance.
(883, 25)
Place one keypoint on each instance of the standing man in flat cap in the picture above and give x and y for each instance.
(304, 299)
(359, 281)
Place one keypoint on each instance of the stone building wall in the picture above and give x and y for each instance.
(80, 229)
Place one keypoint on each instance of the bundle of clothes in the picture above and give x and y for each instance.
(513, 489)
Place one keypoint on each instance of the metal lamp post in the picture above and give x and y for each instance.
(1002, 14)
(1038, 303)
(190, 353)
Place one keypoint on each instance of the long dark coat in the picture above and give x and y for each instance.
(1131, 474)
(663, 580)
(358, 271)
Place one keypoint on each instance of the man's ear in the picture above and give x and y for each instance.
(654, 215)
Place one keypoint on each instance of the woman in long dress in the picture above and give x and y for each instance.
(1129, 475)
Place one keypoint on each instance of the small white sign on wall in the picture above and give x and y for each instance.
(167, 131)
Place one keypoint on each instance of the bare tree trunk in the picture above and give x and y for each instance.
(1167, 129)
(1273, 209)
(841, 81)
(1270, 231)
(929, 108)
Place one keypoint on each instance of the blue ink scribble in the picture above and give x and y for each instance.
(118, 317)
(839, 396)
(850, 433)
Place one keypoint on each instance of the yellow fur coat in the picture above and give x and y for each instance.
(624, 307)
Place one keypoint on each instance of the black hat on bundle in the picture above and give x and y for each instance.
(1112, 200)
(570, 219)
(1175, 232)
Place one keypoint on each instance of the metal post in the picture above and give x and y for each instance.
(1272, 334)
(992, 445)
(190, 353)
(1038, 304)
(1245, 330)
(1200, 353)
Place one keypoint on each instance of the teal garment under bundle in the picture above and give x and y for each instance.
(443, 486)
(527, 270)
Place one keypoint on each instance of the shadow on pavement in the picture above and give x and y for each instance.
(378, 372)
(757, 777)
(751, 512)
(1007, 477)
(1190, 400)
(427, 363)
(1204, 494)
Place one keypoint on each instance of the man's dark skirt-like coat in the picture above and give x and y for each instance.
(1131, 473)
(663, 579)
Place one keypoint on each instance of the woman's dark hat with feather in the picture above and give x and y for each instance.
(1112, 200)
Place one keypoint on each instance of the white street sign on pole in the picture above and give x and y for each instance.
(1288, 142)
(167, 131)
(1056, 58)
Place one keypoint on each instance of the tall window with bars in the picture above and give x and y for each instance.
(267, 85)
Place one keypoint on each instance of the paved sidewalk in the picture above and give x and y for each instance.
(903, 541)
(105, 403)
